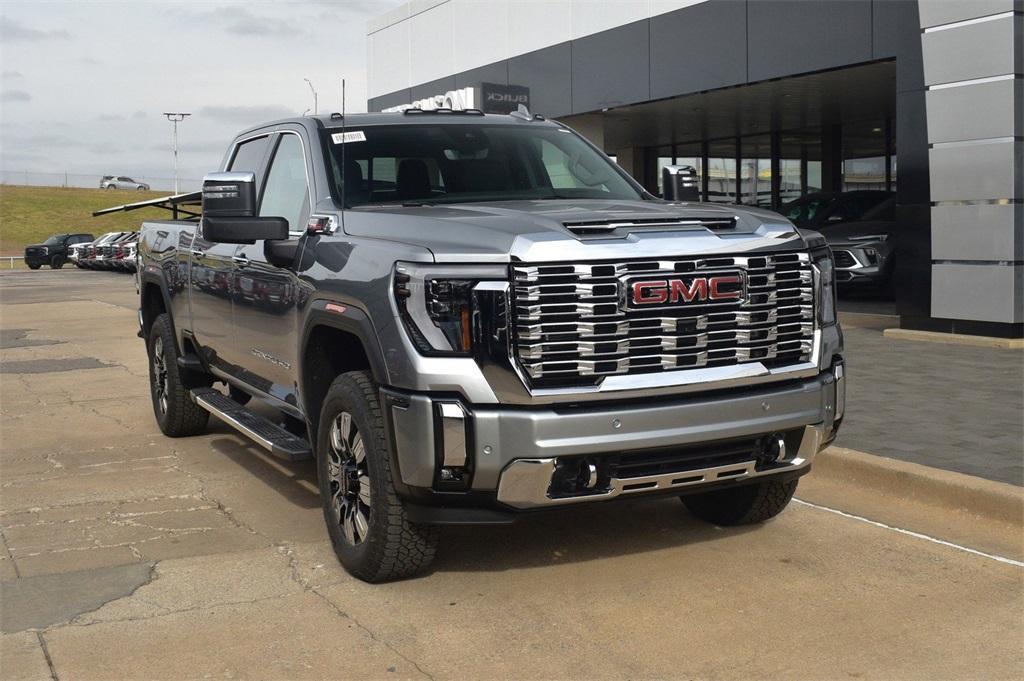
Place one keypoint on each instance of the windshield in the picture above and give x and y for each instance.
(426, 164)
(55, 239)
(807, 208)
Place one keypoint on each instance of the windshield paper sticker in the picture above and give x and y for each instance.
(343, 137)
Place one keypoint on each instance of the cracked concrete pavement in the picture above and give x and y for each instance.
(125, 554)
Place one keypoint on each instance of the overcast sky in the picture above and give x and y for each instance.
(84, 84)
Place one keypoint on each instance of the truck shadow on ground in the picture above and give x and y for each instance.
(296, 482)
(605, 530)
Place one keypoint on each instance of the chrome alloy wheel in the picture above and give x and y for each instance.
(349, 480)
(160, 374)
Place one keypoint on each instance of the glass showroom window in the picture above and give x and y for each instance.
(756, 171)
(864, 156)
(721, 171)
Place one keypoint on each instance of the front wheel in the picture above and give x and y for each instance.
(744, 505)
(176, 413)
(34, 267)
(57, 262)
(368, 525)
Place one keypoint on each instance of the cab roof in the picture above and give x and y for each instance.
(409, 117)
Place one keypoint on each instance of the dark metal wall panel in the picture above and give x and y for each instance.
(393, 99)
(702, 47)
(794, 36)
(913, 276)
(434, 87)
(884, 27)
(611, 68)
(492, 73)
(548, 74)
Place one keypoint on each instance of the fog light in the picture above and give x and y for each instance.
(451, 428)
(774, 449)
(575, 476)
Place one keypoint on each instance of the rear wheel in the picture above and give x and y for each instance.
(744, 505)
(176, 413)
(366, 520)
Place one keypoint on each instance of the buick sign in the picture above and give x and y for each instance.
(503, 99)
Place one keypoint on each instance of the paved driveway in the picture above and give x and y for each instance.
(129, 555)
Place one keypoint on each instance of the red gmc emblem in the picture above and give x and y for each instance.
(683, 290)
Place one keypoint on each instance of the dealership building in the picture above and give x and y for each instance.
(768, 100)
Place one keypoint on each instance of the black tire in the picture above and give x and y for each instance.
(111, 186)
(744, 505)
(366, 520)
(34, 267)
(56, 262)
(176, 413)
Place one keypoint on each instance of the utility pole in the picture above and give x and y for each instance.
(312, 89)
(175, 117)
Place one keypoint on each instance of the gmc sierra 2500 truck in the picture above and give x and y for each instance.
(465, 318)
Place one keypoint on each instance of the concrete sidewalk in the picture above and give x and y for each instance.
(948, 406)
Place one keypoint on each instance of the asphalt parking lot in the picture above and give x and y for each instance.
(129, 555)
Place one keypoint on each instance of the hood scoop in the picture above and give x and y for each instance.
(623, 226)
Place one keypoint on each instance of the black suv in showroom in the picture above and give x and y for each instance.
(859, 226)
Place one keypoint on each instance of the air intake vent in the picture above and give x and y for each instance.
(603, 227)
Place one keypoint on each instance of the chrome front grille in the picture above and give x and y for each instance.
(572, 323)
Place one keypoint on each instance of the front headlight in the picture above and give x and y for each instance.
(437, 304)
(826, 273)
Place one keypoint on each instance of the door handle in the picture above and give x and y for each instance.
(240, 260)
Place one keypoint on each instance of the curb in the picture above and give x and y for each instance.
(995, 500)
(955, 339)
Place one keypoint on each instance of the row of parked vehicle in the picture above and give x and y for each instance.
(112, 251)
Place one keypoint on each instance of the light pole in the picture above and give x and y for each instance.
(313, 90)
(175, 117)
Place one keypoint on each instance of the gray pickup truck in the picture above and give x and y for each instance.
(467, 318)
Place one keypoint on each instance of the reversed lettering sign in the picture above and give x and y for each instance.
(503, 99)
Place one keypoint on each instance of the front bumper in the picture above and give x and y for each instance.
(510, 454)
(862, 265)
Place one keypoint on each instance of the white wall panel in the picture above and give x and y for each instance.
(443, 37)
(389, 60)
(480, 33)
(432, 48)
(938, 12)
(593, 16)
(535, 24)
(662, 6)
(983, 293)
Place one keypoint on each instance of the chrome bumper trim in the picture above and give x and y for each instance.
(525, 483)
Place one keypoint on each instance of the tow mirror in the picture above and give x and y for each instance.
(229, 211)
(680, 183)
(229, 195)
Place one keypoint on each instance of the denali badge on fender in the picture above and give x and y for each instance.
(716, 288)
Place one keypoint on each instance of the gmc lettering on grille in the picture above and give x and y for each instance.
(677, 291)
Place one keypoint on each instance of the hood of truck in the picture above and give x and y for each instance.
(549, 230)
